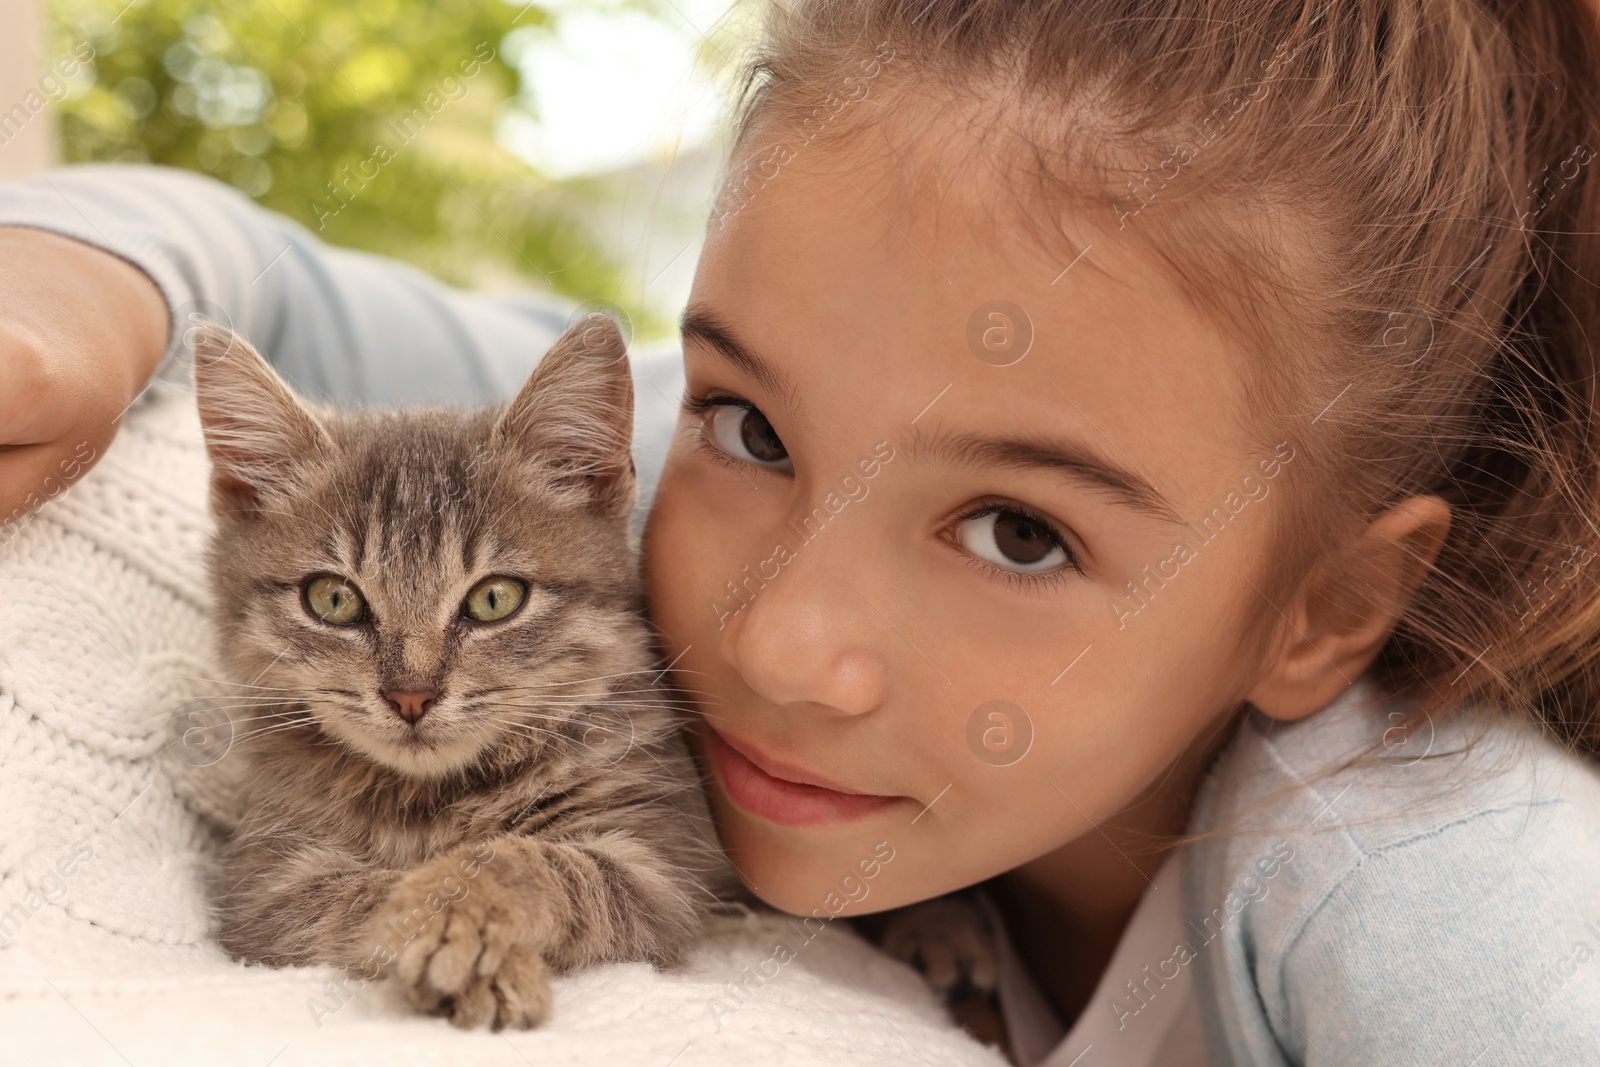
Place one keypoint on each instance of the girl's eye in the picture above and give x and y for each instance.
(334, 600)
(740, 430)
(494, 599)
(1014, 540)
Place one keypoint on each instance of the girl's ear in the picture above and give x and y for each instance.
(1343, 613)
(573, 418)
(258, 434)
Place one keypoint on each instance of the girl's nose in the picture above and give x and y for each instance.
(807, 637)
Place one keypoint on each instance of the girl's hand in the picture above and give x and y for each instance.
(81, 334)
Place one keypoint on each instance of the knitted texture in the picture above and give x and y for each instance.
(115, 783)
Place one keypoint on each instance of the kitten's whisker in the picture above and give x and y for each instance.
(252, 735)
(588, 680)
(287, 717)
(670, 705)
(683, 670)
(266, 692)
(227, 682)
(537, 703)
(286, 697)
(654, 692)
(536, 711)
(521, 717)
(235, 723)
(517, 724)
(171, 714)
(576, 681)
(241, 700)
(521, 720)
(667, 693)
(212, 705)
(644, 700)
(530, 731)
(248, 698)
(617, 692)
(673, 699)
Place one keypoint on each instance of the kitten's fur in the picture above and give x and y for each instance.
(550, 816)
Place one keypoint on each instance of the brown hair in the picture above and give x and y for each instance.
(1407, 238)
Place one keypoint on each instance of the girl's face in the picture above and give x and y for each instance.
(944, 593)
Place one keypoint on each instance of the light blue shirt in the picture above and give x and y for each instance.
(1424, 906)
(1421, 908)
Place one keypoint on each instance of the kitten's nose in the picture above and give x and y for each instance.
(410, 705)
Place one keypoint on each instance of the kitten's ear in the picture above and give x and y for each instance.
(574, 415)
(258, 434)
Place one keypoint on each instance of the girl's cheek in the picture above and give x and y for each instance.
(693, 546)
(672, 549)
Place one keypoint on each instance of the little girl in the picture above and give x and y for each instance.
(1139, 458)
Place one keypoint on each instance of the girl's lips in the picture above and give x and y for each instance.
(758, 788)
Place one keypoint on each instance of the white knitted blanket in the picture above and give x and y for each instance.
(109, 814)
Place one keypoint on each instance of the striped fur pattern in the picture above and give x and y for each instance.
(543, 813)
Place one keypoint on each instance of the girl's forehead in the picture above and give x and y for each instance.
(853, 289)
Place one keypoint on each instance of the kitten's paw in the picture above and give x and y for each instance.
(464, 955)
(516, 996)
(949, 941)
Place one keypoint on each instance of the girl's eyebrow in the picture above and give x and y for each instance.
(701, 324)
(1075, 459)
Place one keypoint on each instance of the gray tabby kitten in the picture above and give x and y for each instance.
(470, 776)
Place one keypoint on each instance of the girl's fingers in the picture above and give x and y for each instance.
(81, 333)
(32, 476)
(23, 474)
(28, 403)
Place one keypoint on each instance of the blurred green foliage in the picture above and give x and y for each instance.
(371, 122)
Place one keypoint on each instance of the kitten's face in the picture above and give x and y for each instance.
(435, 587)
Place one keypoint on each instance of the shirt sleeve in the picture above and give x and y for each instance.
(1478, 943)
(339, 325)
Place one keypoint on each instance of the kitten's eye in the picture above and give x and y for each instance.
(1013, 539)
(334, 600)
(744, 433)
(494, 599)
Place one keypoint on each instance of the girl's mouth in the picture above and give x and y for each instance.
(776, 794)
